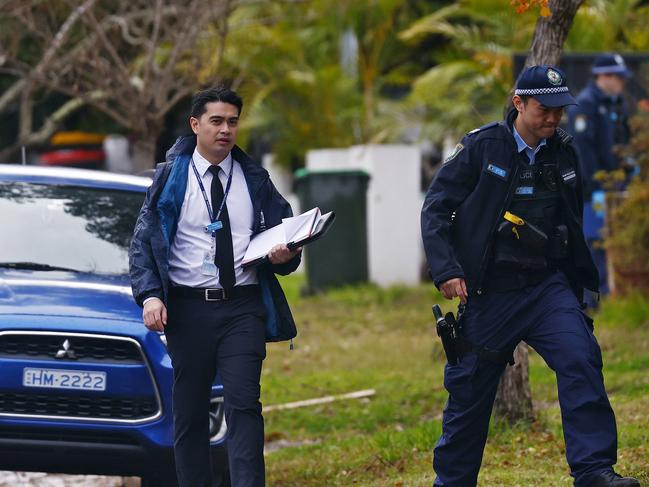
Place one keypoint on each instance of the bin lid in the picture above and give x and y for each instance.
(304, 172)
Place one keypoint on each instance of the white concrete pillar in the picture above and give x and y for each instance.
(393, 207)
(282, 178)
(118, 158)
(394, 199)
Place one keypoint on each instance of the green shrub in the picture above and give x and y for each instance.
(627, 225)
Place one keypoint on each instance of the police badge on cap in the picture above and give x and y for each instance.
(545, 83)
(554, 77)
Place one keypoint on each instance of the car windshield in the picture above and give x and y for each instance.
(48, 227)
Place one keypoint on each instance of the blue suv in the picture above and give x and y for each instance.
(84, 387)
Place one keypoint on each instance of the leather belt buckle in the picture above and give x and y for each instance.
(215, 294)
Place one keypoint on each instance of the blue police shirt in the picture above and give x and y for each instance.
(522, 146)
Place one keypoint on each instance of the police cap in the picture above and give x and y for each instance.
(610, 64)
(545, 83)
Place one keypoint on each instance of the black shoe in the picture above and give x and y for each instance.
(612, 479)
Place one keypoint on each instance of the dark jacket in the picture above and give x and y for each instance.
(158, 220)
(597, 124)
(469, 195)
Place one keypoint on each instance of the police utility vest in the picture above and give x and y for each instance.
(532, 238)
(473, 190)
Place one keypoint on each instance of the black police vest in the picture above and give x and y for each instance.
(614, 110)
(536, 200)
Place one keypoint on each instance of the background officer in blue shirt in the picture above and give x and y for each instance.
(501, 225)
(599, 125)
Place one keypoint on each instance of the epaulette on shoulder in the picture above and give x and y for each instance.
(483, 128)
(564, 136)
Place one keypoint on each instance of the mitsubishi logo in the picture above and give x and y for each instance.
(66, 350)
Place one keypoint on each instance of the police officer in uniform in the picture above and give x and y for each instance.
(501, 225)
(599, 125)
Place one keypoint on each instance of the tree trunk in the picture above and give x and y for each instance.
(551, 32)
(514, 397)
(41, 136)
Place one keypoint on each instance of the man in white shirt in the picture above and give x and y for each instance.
(201, 211)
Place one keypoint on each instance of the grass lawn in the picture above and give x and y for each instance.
(367, 338)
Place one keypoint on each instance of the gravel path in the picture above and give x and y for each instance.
(37, 479)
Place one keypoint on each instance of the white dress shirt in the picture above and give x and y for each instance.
(191, 242)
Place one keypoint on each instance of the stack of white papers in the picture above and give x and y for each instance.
(294, 232)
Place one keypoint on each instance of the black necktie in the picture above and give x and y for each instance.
(224, 257)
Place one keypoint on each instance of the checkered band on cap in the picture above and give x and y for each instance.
(541, 91)
(610, 69)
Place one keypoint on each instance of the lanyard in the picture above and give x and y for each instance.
(207, 201)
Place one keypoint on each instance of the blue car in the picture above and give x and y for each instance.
(85, 388)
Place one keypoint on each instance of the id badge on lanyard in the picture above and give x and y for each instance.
(209, 267)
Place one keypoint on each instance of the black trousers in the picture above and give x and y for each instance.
(204, 337)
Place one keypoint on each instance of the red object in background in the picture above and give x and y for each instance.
(644, 105)
(73, 157)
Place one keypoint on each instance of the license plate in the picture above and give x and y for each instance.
(64, 379)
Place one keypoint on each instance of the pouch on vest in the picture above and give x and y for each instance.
(558, 245)
(520, 244)
(528, 235)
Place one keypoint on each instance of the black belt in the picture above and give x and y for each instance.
(214, 293)
(503, 282)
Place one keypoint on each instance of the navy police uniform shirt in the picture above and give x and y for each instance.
(470, 193)
(597, 124)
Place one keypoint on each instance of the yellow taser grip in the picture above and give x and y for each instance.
(516, 220)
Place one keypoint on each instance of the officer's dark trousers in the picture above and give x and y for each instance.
(593, 225)
(203, 338)
(599, 259)
(548, 318)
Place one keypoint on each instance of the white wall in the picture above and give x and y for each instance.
(118, 157)
(393, 206)
(283, 181)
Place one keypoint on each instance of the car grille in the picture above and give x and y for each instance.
(87, 349)
(105, 350)
(78, 406)
(59, 435)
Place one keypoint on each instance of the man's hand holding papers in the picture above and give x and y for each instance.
(281, 254)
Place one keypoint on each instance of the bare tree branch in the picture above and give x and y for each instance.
(122, 70)
(191, 24)
(223, 34)
(182, 93)
(60, 37)
(144, 57)
(50, 126)
(11, 93)
(149, 66)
